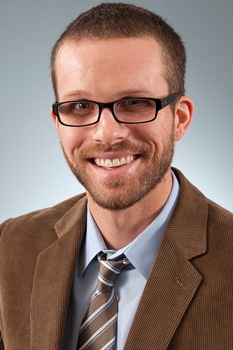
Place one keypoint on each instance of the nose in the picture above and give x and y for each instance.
(108, 130)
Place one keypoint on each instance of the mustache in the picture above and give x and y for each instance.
(124, 146)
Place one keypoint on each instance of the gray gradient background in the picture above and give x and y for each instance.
(33, 172)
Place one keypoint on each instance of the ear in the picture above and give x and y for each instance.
(183, 116)
(55, 120)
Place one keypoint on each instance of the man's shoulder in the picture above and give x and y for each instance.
(190, 190)
(43, 217)
(25, 237)
(220, 216)
(192, 203)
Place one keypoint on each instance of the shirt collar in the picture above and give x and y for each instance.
(92, 244)
(142, 251)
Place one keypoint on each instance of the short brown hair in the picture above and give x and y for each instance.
(121, 20)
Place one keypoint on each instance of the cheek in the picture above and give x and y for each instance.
(150, 133)
(71, 139)
(160, 136)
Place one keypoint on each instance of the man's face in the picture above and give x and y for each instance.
(118, 164)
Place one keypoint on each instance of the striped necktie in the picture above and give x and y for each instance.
(98, 329)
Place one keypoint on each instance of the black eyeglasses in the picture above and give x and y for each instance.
(127, 110)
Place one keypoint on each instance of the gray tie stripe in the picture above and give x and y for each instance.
(98, 329)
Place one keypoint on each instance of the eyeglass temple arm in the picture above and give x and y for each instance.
(169, 99)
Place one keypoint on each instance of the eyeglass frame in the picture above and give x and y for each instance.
(159, 102)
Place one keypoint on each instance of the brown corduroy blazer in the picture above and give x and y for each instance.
(187, 303)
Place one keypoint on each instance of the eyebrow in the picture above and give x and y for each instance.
(124, 94)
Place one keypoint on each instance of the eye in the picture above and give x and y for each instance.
(132, 102)
(135, 104)
(79, 106)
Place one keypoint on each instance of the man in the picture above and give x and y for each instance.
(118, 76)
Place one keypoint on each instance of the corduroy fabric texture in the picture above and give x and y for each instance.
(187, 302)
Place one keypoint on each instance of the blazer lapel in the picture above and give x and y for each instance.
(53, 279)
(173, 281)
(169, 290)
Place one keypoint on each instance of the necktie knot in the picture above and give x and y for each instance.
(108, 272)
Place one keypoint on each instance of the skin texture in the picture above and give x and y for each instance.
(123, 199)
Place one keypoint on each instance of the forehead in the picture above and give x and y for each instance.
(121, 50)
(119, 61)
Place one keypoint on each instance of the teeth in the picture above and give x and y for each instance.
(108, 163)
(112, 163)
(116, 162)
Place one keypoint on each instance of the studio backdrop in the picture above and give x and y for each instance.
(33, 173)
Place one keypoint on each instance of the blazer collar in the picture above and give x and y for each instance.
(53, 279)
(189, 221)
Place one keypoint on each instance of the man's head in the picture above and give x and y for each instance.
(108, 57)
(120, 20)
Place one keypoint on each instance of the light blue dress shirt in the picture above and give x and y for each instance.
(128, 286)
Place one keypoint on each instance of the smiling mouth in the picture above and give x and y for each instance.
(113, 163)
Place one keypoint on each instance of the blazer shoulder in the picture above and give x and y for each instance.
(39, 221)
(220, 220)
(58, 209)
(218, 211)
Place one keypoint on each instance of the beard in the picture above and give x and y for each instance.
(122, 193)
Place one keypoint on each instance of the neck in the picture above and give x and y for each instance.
(121, 227)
